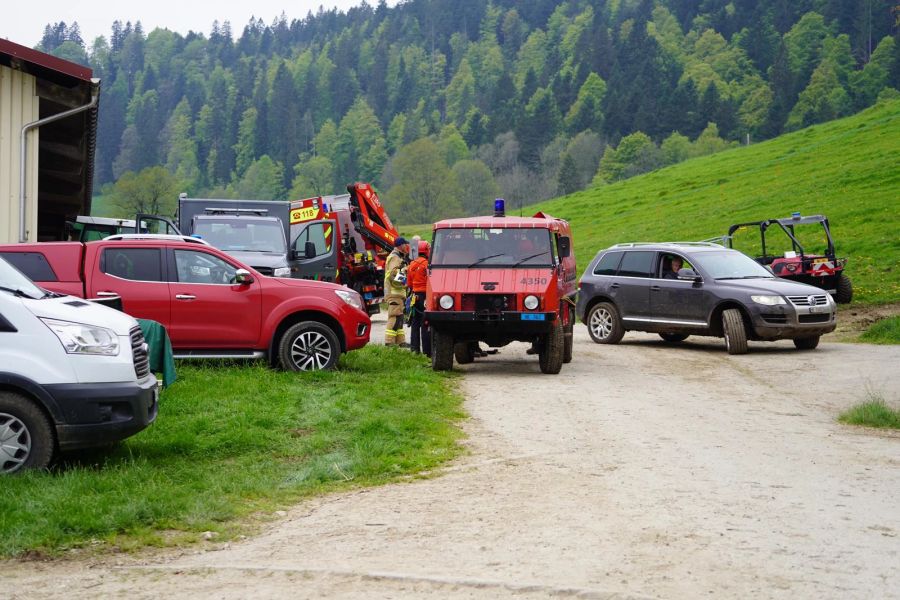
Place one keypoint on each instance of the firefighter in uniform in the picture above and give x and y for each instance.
(395, 292)
(417, 281)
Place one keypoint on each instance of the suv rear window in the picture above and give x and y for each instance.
(608, 263)
(636, 264)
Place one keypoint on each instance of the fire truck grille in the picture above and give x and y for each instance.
(488, 303)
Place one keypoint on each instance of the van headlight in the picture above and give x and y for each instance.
(282, 272)
(768, 300)
(531, 302)
(78, 338)
(446, 302)
(351, 298)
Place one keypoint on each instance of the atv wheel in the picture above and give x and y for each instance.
(807, 343)
(674, 338)
(568, 338)
(308, 346)
(844, 290)
(551, 354)
(604, 324)
(441, 350)
(464, 352)
(26, 436)
(735, 332)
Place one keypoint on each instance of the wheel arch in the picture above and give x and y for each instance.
(715, 318)
(595, 301)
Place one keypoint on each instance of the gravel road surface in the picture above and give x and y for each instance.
(642, 470)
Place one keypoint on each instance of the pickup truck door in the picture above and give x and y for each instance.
(322, 265)
(209, 310)
(135, 273)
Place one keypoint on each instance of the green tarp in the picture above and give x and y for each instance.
(160, 350)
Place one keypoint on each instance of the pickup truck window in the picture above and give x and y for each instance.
(33, 264)
(200, 267)
(135, 264)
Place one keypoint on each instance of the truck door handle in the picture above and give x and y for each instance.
(614, 286)
(654, 288)
(106, 294)
(185, 297)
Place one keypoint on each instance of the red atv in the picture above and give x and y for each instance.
(788, 258)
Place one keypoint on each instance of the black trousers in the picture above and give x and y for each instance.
(420, 332)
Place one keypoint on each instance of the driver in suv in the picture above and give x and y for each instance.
(698, 288)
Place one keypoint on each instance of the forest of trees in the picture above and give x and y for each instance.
(445, 104)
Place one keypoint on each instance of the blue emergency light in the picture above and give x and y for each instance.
(499, 207)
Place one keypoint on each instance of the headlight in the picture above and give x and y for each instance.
(768, 300)
(531, 302)
(282, 272)
(84, 339)
(446, 302)
(351, 298)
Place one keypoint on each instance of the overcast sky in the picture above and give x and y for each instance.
(23, 22)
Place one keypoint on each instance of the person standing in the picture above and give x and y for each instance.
(395, 292)
(417, 281)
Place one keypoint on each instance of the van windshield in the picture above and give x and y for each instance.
(492, 248)
(730, 264)
(242, 234)
(13, 281)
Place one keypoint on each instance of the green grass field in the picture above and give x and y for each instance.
(235, 441)
(874, 412)
(885, 331)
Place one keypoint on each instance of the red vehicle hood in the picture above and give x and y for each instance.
(308, 284)
(505, 281)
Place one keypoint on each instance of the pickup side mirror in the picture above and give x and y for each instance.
(243, 277)
(309, 250)
(565, 247)
(689, 275)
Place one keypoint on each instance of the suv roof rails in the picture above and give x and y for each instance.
(155, 236)
(703, 244)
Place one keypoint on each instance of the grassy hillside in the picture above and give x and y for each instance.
(848, 170)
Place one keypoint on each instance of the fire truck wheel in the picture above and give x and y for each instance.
(464, 353)
(735, 332)
(844, 290)
(807, 343)
(441, 350)
(551, 354)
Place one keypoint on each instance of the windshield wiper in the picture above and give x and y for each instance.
(530, 257)
(17, 292)
(484, 258)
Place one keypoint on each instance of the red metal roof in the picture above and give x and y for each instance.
(499, 223)
(45, 61)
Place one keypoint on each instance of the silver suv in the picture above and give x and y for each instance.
(698, 288)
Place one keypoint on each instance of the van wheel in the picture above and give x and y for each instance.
(806, 343)
(308, 346)
(26, 435)
(844, 290)
(674, 337)
(604, 324)
(551, 354)
(735, 332)
(441, 350)
(464, 352)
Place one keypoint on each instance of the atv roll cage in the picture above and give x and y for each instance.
(786, 225)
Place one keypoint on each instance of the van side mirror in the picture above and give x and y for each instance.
(689, 275)
(565, 247)
(243, 277)
(309, 250)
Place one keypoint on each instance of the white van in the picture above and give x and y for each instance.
(73, 374)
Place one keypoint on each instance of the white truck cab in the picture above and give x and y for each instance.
(73, 374)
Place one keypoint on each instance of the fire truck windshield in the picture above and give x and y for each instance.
(492, 248)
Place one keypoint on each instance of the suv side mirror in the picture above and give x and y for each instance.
(565, 247)
(309, 250)
(689, 275)
(243, 277)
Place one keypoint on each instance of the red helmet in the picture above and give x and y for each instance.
(424, 248)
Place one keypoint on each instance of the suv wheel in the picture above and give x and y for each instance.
(735, 332)
(844, 290)
(604, 324)
(551, 354)
(674, 337)
(308, 346)
(806, 343)
(441, 350)
(26, 436)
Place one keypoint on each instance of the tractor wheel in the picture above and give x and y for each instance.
(806, 343)
(735, 332)
(844, 290)
(674, 338)
(551, 354)
(568, 337)
(604, 324)
(464, 352)
(26, 435)
(441, 350)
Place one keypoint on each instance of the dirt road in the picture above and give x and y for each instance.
(642, 470)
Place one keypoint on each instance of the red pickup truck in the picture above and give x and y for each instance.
(211, 305)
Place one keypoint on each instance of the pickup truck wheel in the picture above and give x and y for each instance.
(844, 292)
(26, 435)
(735, 332)
(308, 346)
(604, 324)
(551, 354)
(464, 352)
(674, 337)
(806, 343)
(441, 350)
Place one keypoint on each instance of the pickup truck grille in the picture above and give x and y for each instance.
(813, 300)
(139, 352)
(267, 271)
